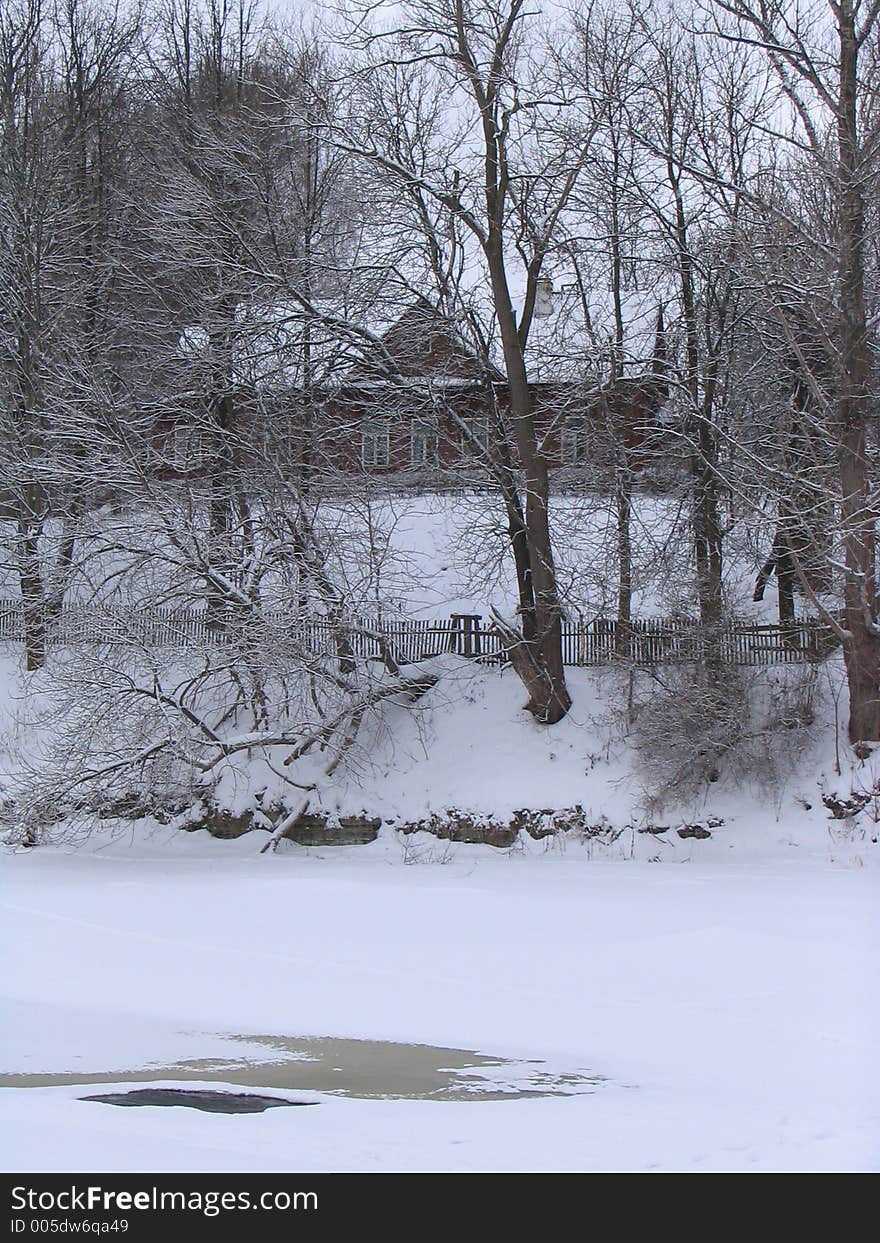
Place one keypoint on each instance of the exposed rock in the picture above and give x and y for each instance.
(547, 822)
(456, 826)
(224, 824)
(844, 808)
(314, 829)
(451, 824)
(693, 830)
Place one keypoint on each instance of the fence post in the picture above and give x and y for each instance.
(466, 630)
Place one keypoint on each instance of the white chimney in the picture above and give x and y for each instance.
(543, 297)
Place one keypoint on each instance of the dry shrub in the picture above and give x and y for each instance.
(746, 727)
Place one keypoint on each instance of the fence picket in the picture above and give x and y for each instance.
(651, 641)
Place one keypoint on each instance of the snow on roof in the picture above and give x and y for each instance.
(284, 344)
(578, 335)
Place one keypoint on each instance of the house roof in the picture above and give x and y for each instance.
(422, 344)
(577, 337)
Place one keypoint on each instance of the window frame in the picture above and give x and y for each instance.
(187, 446)
(478, 426)
(424, 430)
(376, 432)
(574, 435)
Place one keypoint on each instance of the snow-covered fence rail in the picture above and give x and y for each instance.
(599, 641)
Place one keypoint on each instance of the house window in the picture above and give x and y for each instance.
(424, 442)
(574, 443)
(477, 431)
(188, 448)
(374, 442)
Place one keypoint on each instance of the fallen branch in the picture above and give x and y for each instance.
(285, 824)
(415, 688)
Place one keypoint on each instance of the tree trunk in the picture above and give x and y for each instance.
(33, 597)
(519, 543)
(862, 650)
(549, 699)
(623, 501)
(703, 465)
(785, 580)
(221, 502)
(617, 428)
(707, 528)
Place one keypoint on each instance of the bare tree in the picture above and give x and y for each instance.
(670, 134)
(64, 148)
(607, 71)
(483, 153)
(821, 55)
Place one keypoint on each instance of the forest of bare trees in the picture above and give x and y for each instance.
(212, 210)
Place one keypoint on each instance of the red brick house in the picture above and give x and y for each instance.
(430, 406)
(424, 406)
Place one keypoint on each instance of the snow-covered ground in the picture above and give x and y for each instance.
(731, 1005)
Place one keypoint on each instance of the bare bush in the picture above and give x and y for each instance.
(747, 727)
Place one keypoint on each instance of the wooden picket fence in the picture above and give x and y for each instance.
(585, 643)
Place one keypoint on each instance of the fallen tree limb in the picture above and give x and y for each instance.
(354, 714)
